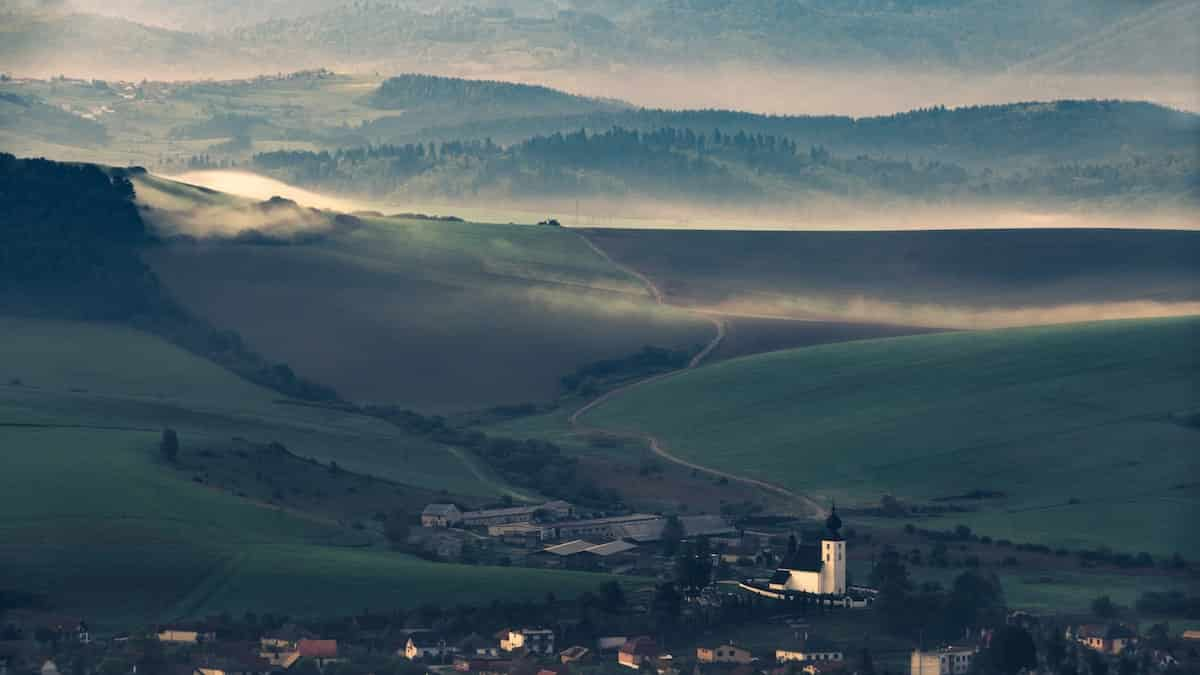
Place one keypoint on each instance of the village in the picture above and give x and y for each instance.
(802, 617)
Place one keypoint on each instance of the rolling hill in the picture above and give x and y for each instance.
(1064, 427)
(427, 314)
(96, 523)
(964, 278)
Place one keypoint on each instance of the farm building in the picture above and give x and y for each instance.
(441, 515)
(952, 660)
(555, 510)
(638, 526)
(638, 652)
(583, 554)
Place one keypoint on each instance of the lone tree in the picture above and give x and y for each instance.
(169, 445)
(396, 529)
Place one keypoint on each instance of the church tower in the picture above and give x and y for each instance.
(833, 556)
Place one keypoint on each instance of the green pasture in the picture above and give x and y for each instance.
(1082, 427)
(80, 374)
(94, 521)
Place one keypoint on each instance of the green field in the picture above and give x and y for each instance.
(126, 379)
(430, 315)
(94, 521)
(1072, 423)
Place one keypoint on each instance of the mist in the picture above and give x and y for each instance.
(180, 209)
(862, 309)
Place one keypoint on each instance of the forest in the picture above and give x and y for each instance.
(715, 166)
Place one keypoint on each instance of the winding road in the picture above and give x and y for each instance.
(655, 443)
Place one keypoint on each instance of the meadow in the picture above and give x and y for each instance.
(1086, 430)
(98, 525)
(126, 379)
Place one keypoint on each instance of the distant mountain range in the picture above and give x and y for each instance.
(206, 38)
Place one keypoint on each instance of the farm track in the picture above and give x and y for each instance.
(656, 445)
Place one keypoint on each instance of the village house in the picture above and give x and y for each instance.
(441, 515)
(280, 653)
(321, 652)
(610, 643)
(729, 653)
(574, 654)
(244, 665)
(185, 637)
(425, 646)
(477, 645)
(951, 660)
(810, 650)
(639, 651)
(483, 665)
(538, 641)
(1106, 639)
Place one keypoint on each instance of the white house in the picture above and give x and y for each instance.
(819, 569)
(533, 640)
(944, 661)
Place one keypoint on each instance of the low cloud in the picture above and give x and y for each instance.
(928, 315)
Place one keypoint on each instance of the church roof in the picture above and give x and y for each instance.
(807, 558)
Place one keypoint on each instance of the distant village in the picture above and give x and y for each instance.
(810, 617)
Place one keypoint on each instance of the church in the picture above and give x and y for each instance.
(814, 570)
(818, 569)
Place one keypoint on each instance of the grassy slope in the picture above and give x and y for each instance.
(1043, 414)
(952, 277)
(127, 379)
(430, 315)
(93, 520)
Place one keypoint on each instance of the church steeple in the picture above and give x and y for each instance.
(833, 524)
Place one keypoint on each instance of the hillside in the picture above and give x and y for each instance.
(1104, 409)
(432, 315)
(951, 278)
(130, 380)
(137, 543)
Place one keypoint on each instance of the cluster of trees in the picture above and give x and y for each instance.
(975, 601)
(531, 463)
(71, 239)
(590, 378)
(421, 91)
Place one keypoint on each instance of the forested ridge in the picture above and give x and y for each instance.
(71, 238)
(716, 165)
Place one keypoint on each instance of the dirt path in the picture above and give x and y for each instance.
(656, 444)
